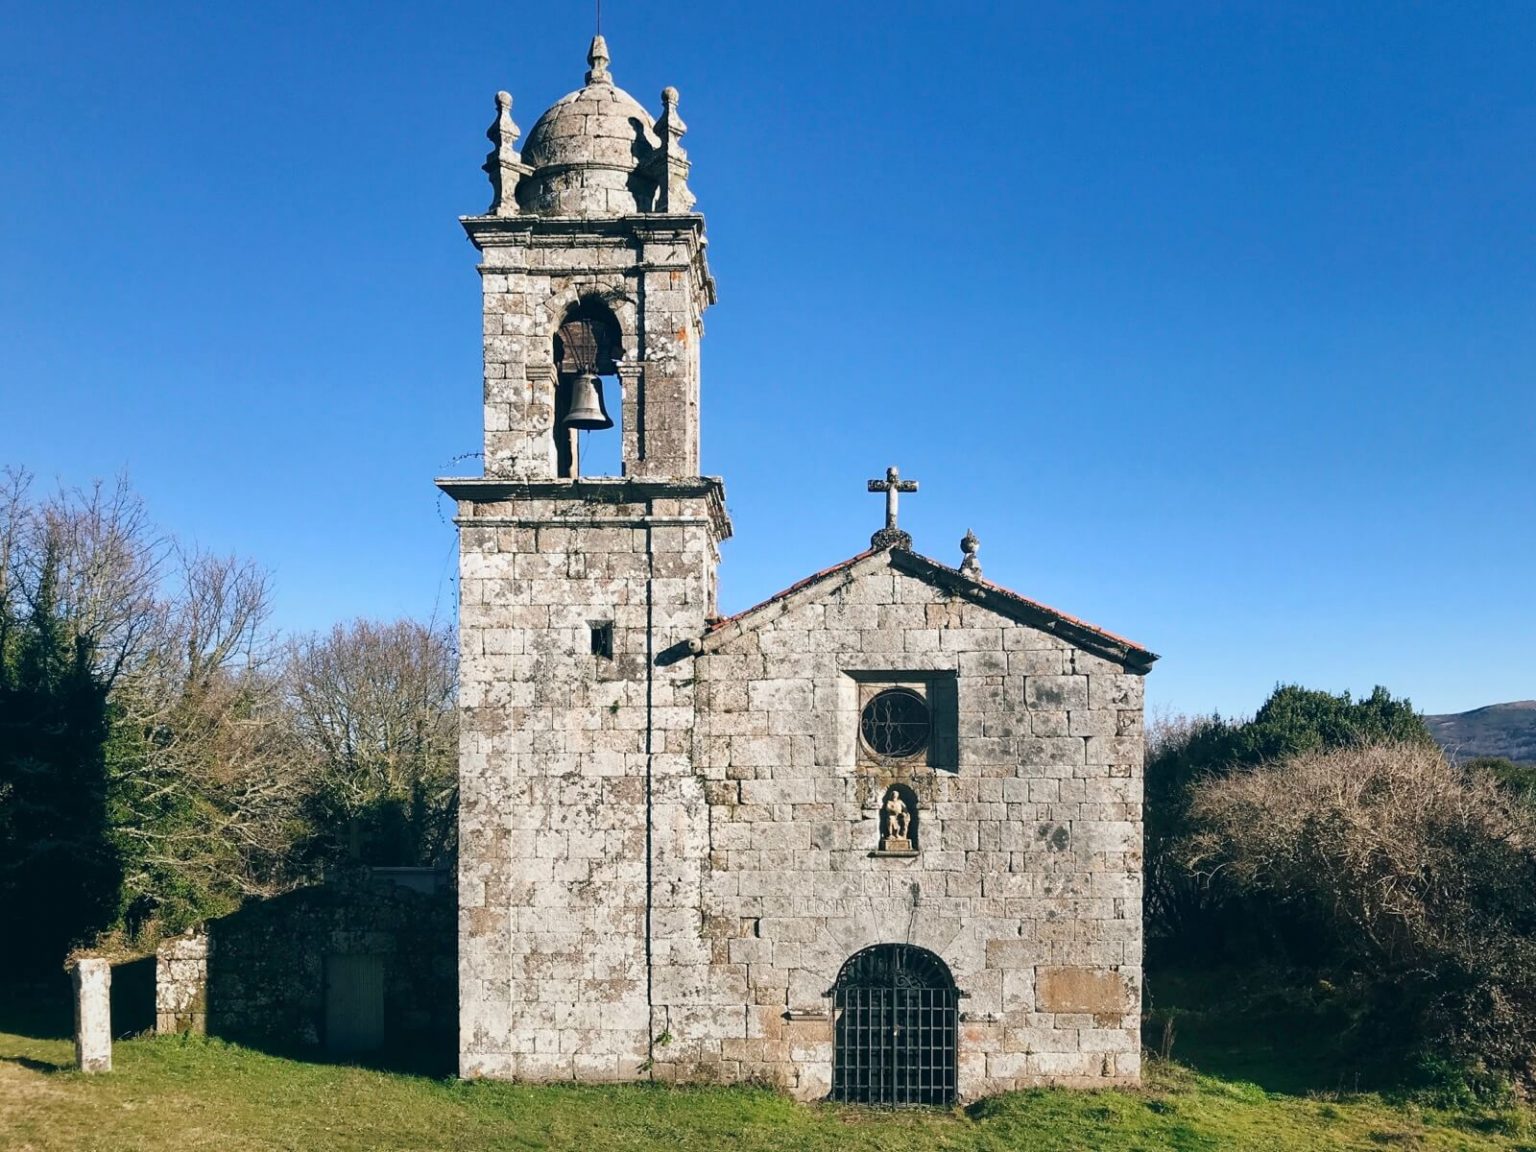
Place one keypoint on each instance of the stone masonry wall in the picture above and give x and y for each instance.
(651, 274)
(573, 764)
(568, 761)
(181, 985)
(1028, 882)
(266, 964)
(665, 854)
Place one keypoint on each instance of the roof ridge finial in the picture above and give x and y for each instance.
(597, 59)
(969, 545)
(891, 536)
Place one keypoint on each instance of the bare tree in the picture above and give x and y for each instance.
(15, 515)
(77, 603)
(373, 714)
(100, 559)
(208, 789)
(201, 760)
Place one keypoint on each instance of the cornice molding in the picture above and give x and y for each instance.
(474, 491)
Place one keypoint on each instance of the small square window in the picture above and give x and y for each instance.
(602, 639)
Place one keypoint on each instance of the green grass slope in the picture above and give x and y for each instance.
(174, 1093)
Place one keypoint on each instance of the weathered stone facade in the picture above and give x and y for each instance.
(1027, 876)
(675, 830)
(570, 760)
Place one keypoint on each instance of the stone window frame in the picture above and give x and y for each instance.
(939, 690)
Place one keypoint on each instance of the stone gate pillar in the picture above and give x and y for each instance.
(93, 1014)
(181, 985)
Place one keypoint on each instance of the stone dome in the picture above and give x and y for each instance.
(588, 151)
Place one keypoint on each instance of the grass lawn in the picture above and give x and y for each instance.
(174, 1093)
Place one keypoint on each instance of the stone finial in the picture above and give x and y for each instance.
(597, 60)
(673, 178)
(671, 127)
(669, 114)
(503, 164)
(970, 566)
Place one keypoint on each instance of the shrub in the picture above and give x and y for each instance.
(1418, 874)
(1517, 779)
(1190, 917)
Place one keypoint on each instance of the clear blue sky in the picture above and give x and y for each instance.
(1217, 322)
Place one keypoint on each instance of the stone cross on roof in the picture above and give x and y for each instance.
(891, 536)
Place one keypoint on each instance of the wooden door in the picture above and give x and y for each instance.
(354, 1004)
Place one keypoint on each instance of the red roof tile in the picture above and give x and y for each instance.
(901, 558)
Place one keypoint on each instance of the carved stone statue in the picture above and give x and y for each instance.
(898, 821)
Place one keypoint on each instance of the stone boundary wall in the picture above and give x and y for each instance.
(258, 975)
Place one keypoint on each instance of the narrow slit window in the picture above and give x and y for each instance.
(602, 639)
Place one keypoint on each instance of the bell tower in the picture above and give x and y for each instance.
(593, 268)
(577, 590)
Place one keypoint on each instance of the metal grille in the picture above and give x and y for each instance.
(897, 1024)
(895, 723)
(588, 342)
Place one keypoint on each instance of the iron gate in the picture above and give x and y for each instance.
(897, 1014)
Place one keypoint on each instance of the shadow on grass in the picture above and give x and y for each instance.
(38, 1007)
(35, 1065)
(431, 1057)
(41, 1008)
(1264, 1028)
(133, 997)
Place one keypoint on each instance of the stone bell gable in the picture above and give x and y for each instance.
(1020, 866)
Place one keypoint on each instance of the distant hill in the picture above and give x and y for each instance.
(1507, 730)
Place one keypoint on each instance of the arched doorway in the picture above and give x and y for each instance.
(897, 1014)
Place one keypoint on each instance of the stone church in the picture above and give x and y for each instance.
(878, 837)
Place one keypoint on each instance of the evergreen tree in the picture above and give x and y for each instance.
(60, 879)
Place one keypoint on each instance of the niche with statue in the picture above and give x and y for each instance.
(898, 822)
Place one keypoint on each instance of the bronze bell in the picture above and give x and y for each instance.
(586, 410)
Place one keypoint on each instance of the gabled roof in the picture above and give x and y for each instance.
(1079, 633)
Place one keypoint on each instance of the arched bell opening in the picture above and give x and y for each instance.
(588, 347)
(896, 1030)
